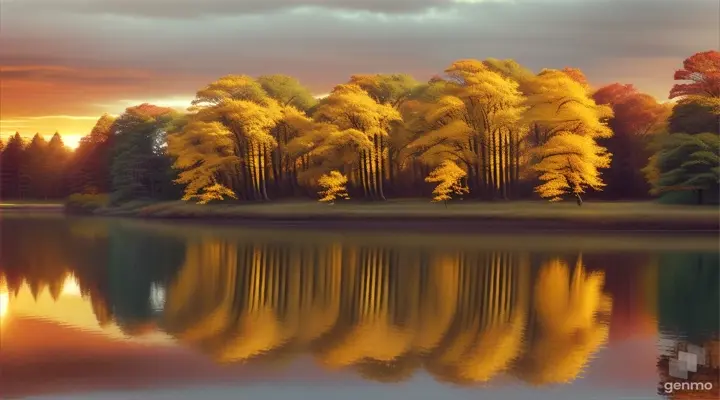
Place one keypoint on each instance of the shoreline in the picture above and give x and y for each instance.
(450, 224)
(416, 217)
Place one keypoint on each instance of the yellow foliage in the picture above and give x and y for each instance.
(201, 151)
(570, 331)
(449, 176)
(477, 102)
(350, 107)
(243, 132)
(562, 104)
(232, 121)
(569, 163)
(215, 191)
(334, 184)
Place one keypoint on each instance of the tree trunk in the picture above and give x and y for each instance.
(391, 170)
(370, 174)
(363, 175)
(578, 199)
(379, 167)
(262, 154)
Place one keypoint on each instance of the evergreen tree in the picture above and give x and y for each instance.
(57, 159)
(11, 169)
(37, 167)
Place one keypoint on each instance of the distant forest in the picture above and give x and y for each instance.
(487, 130)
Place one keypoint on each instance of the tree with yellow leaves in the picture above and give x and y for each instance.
(449, 177)
(474, 123)
(566, 122)
(353, 120)
(334, 185)
(394, 90)
(568, 164)
(228, 137)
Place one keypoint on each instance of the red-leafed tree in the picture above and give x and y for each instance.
(702, 70)
(636, 117)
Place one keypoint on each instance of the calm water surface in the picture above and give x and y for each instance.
(108, 309)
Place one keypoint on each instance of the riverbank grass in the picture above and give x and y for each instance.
(420, 208)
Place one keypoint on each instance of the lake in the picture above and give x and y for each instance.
(122, 309)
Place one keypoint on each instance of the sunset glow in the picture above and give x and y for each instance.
(4, 298)
(71, 286)
(59, 77)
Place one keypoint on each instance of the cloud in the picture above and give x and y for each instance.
(62, 92)
(80, 57)
(213, 8)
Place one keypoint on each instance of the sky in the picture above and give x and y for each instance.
(63, 63)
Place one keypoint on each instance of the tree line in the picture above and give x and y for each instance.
(490, 130)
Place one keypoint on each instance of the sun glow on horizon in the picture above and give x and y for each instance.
(71, 286)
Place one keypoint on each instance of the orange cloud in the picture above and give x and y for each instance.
(32, 90)
(53, 98)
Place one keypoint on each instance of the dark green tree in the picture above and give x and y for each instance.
(688, 295)
(36, 168)
(692, 116)
(688, 163)
(58, 158)
(12, 182)
(90, 169)
(140, 167)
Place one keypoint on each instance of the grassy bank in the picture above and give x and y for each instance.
(423, 215)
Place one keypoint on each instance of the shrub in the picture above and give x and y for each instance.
(85, 203)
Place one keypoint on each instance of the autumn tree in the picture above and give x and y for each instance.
(140, 167)
(393, 90)
(351, 121)
(568, 165)
(637, 117)
(12, 184)
(296, 102)
(448, 177)
(334, 187)
(227, 140)
(566, 122)
(702, 71)
(475, 124)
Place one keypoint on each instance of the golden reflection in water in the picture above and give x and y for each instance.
(571, 322)
(67, 303)
(4, 299)
(465, 318)
(70, 286)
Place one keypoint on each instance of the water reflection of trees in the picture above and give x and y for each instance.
(114, 268)
(690, 314)
(465, 317)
